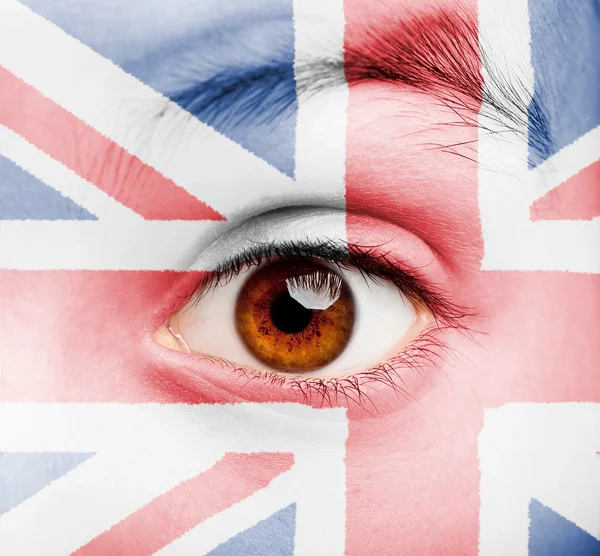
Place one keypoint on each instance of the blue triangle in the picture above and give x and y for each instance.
(550, 534)
(565, 41)
(24, 197)
(223, 66)
(22, 474)
(272, 537)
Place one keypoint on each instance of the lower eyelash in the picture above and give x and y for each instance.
(426, 352)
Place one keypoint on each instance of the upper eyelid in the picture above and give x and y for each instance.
(370, 261)
(314, 223)
(289, 223)
(305, 225)
(263, 253)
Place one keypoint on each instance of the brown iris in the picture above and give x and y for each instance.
(295, 315)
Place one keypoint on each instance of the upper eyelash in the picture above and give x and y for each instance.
(371, 261)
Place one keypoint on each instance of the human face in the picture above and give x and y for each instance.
(430, 432)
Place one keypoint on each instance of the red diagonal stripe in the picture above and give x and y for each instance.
(575, 199)
(94, 157)
(169, 516)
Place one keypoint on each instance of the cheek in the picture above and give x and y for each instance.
(413, 476)
(86, 336)
(78, 336)
(539, 346)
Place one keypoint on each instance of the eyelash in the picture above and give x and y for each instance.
(374, 264)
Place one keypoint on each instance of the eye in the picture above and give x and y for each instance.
(291, 311)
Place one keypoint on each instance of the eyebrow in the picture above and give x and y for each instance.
(438, 54)
(441, 55)
(260, 93)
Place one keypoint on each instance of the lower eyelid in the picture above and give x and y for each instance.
(388, 387)
(399, 374)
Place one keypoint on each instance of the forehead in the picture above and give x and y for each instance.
(130, 31)
(171, 45)
(126, 33)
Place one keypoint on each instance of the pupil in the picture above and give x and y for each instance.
(288, 315)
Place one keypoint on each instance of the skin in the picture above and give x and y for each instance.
(412, 463)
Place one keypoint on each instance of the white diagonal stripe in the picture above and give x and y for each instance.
(567, 162)
(192, 154)
(220, 527)
(218, 171)
(98, 493)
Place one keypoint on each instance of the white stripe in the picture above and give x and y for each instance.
(322, 120)
(321, 481)
(144, 245)
(507, 187)
(196, 157)
(62, 179)
(103, 245)
(269, 427)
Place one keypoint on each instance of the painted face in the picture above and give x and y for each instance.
(299, 277)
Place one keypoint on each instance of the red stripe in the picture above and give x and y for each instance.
(578, 198)
(94, 157)
(169, 516)
(85, 336)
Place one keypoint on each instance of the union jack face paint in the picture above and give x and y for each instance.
(299, 278)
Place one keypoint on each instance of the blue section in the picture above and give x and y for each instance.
(565, 50)
(24, 197)
(23, 474)
(255, 108)
(231, 64)
(272, 537)
(550, 534)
